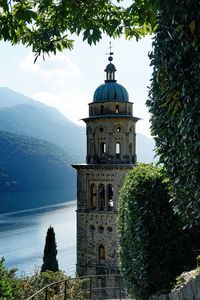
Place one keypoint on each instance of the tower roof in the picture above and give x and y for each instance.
(110, 90)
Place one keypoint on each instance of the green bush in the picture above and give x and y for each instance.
(9, 285)
(22, 287)
(149, 233)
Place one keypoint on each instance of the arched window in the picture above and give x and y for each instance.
(101, 253)
(102, 109)
(93, 195)
(101, 196)
(110, 196)
(117, 150)
(102, 148)
(118, 129)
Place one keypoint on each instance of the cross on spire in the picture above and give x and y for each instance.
(110, 58)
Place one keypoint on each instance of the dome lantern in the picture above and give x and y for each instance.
(111, 90)
(110, 71)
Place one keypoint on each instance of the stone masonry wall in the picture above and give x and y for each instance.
(189, 290)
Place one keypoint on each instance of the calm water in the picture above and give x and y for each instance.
(22, 236)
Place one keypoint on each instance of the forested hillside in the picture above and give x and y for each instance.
(27, 163)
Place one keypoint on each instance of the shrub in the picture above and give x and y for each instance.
(9, 286)
(149, 233)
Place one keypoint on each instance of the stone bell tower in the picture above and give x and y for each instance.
(110, 130)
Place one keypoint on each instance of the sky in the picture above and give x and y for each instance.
(67, 81)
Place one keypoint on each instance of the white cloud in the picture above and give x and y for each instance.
(74, 107)
(59, 84)
(59, 69)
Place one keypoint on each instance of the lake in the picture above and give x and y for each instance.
(23, 233)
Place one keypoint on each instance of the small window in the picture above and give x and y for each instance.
(117, 149)
(101, 252)
(118, 129)
(102, 109)
(101, 129)
(117, 109)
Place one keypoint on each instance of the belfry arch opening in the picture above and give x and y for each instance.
(93, 196)
(101, 196)
(102, 148)
(110, 196)
(117, 150)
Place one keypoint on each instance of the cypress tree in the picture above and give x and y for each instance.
(50, 261)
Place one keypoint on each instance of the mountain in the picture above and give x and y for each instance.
(22, 115)
(27, 163)
(38, 120)
(9, 98)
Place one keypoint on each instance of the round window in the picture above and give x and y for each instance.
(92, 227)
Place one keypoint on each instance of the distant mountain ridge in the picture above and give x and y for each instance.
(38, 120)
(22, 115)
(9, 98)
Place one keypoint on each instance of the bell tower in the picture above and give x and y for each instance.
(110, 130)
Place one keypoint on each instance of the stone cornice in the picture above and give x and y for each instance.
(103, 166)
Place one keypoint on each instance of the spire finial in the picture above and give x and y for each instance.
(110, 58)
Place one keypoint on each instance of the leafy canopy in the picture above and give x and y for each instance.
(48, 25)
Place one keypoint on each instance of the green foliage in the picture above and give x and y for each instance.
(9, 286)
(50, 262)
(22, 287)
(148, 233)
(28, 285)
(48, 25)
(174, 101)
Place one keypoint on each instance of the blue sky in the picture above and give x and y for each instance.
(68, 80)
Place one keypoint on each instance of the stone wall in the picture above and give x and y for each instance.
(189, 290)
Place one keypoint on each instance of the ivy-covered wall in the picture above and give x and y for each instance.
(174, 101)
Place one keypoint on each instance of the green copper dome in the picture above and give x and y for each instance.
(110, 90)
